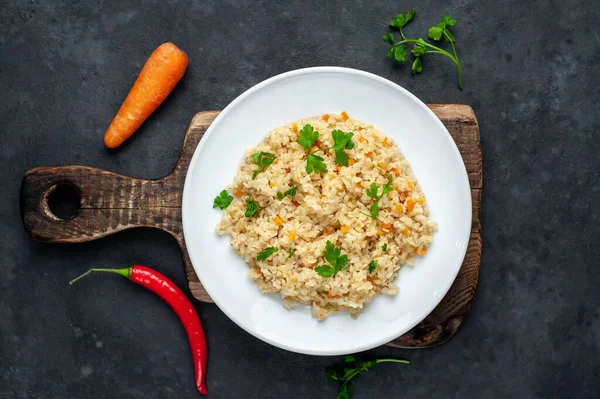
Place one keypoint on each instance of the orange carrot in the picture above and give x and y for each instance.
(158, 77)
(410, 205)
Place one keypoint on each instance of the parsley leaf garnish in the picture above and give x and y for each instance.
(372, 266)
(420, 47)
(341, 141)
(265, 253)
(372, 193)
(384, 248)
(223, 200)
(374, 210)
(351, 369)
(315, 162)
(337, 261)
(387, 187)
(325, 271)
(308, 136)
(251, 208)
(441, 30)
(289, 193)
(400, 21)
(291, 252)
(262, 160)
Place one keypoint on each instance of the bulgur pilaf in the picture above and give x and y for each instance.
(333, 206)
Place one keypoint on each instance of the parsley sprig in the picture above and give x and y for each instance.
(289, 193)
(308, 136)
(441, 31)
(341, 141)
(353, 368)
(223, 200)
(337, 261)
(372, 193)
(262, 160)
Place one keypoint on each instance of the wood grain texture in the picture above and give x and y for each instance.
(111, 202)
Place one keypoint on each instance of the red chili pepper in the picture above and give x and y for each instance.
(167, 290)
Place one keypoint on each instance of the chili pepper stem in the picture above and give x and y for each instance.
(123, 272)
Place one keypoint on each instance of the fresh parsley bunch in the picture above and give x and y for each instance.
(439, 32)
(353, 368)
(341, 141)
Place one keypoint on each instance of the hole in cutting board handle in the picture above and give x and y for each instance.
(62, 201)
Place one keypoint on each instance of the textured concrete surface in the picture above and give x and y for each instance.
(530, 72)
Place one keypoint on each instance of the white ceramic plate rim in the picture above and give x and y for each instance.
(369, 344)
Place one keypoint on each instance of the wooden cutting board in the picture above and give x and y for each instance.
(110, 202)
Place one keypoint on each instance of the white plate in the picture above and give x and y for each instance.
(423, 140)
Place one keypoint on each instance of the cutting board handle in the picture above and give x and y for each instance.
(108, 203)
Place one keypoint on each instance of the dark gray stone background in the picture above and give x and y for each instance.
(531, 74)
